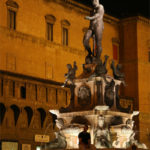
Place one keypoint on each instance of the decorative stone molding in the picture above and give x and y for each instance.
(136, 19)
(70, 4)
(40, 41)
(143, 20)
(12, 4)
(50, 19)
(65, 23)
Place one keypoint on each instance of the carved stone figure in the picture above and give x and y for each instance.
(117, 71)
(84, 95)
(95, 29)
(119, 107)
(71, 105)
(60, 141)
(102, 135)
(109, 93)
(139, 145)
(70, 76)
(125, 135)
(101, 67)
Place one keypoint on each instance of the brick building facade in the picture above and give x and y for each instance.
(37, 40)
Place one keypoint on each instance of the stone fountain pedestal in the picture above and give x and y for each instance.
(95, 102)
(115, 124)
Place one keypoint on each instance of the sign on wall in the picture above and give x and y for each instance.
(42, 138)
(26, 146)
(9, 146)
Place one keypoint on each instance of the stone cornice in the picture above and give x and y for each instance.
(136, 19)
(78, 5)
(111, 20)
(70, 4)
(40, 41)
(144, 20)
(81, 8)
(30, 78)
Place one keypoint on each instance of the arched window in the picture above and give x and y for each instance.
(12, 8)
(65, 32)
(2, 112)
(42, 115)
(50, 20)
(29, 112)
(148, 44)
(16, 111)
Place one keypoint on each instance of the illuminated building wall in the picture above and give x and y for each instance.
(37, 40)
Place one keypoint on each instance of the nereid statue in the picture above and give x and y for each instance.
(102, 134)
(60, 141)
(95, 29)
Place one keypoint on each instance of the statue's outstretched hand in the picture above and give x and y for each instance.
(87, 17)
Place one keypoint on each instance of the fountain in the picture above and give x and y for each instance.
(95, 99)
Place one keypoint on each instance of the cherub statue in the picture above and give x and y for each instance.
(70, 76)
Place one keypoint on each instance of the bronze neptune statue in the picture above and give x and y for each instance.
(95, 29)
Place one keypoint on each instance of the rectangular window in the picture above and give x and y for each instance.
(36, 92)
(46, 94)
(13, 88)
(66, 97)
(23, 92)
(65, 36)
(2, 87)
(11, 19)
(49, 31)
(56, 97)
(149, 56)
(115, 52)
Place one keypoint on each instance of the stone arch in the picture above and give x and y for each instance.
(9, 119)
(2, 112)
(36, 120)
(80, 120)
(16, 111)
(12, 3)
(29, 112)
(42, 115)
(48, 123)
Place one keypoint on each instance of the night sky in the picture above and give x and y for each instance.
(123, 8)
